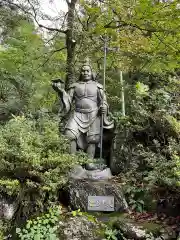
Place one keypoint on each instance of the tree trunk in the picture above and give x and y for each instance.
(70, 42)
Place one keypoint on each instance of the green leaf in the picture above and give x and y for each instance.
(28, 225)
(18, 230)
(46, 221)
(141, 201)
(74, 213)
(139, 208)
(53, 237)
(37, 237)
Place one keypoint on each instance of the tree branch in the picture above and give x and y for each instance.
(51, 54)
(41, 25)
(68, 2)
(120, 23)
(84, 28)
(33, 15)
(167, 45)
(124, 24)
(52, 29)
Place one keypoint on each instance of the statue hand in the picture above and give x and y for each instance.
(57, 85)
(103, 109)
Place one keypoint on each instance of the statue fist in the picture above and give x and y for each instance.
(56, 84)
(103, 109)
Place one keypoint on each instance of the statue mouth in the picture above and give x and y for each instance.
(86, 77)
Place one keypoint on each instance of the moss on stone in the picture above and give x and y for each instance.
(152, 227)
(110, 219)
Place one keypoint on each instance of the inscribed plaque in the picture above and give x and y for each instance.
(101, 203)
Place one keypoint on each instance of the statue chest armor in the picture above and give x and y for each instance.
(86, 96)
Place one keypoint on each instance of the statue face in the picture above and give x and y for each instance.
(86, 73)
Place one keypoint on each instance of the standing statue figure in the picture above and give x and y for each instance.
(86, 101)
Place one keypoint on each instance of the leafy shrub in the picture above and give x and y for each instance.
(149, 171)
(34, 162)
(148, 139)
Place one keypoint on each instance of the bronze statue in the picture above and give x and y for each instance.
(90, 104)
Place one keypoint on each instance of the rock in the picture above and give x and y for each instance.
(99, 174)
(130, 231)
(79, 228)
(168, 233)
(78, 172)
(169, 207)
(76, 193)
(7, 208)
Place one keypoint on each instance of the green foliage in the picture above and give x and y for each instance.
(34, 162)
(90, 217)
(3, 229)
(110, 234)
(149, 139)
(25, 78)
(135, 196)
(43, 227)
(143, 35)
(77, 213)
(18, 75)
(148, 171)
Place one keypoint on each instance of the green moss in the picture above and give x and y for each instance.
(1, 235)
(108, 215)
(100, 232)
(152, 227)
(112, 220)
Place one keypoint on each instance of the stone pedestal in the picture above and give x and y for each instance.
(77, 191)
(78, 172)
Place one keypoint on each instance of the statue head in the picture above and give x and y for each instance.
(86, 71)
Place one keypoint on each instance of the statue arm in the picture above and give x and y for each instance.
(102, 99)
(65, 96)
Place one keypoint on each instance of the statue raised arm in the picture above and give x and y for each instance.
(65, 97)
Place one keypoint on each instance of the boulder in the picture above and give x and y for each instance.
(76, 193)
(131, 229)
(79, 228)
(7, 208)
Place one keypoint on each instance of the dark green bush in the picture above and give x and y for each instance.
(148, 140)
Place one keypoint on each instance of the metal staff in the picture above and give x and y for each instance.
(104, 82)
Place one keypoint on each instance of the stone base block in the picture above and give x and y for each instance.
(77, 191)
